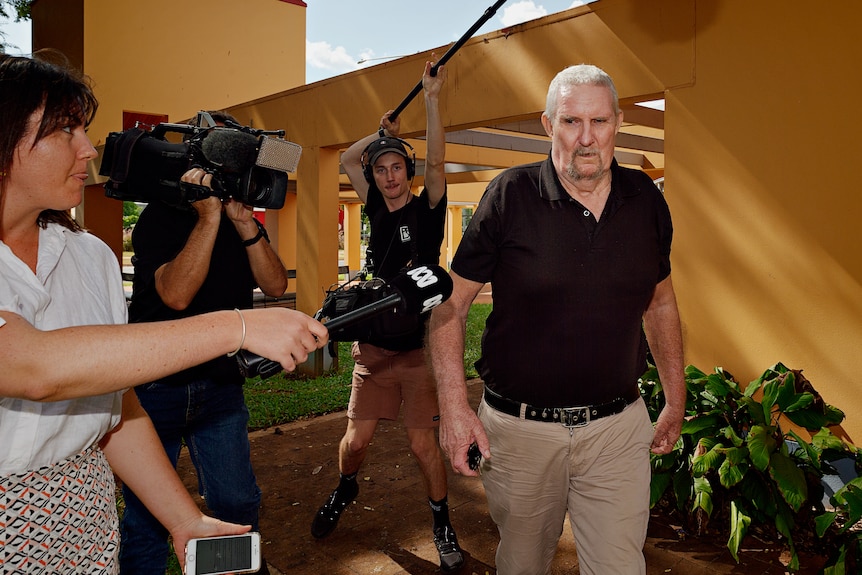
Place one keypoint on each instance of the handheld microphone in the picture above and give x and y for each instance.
(236, 151)
(417, 290)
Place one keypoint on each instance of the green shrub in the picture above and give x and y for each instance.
(739, 463)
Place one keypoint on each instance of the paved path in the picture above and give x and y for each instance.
(387, 530)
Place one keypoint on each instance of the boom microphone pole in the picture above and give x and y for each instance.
(449, 53)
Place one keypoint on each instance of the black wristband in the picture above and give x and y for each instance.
(261, 233)
(253, 240)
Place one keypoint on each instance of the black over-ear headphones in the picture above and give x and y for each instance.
(381, 146)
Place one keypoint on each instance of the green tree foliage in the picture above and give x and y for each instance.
(20, 9)
(17, 9)
(131, 212)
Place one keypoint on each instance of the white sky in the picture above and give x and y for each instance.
(340, 33)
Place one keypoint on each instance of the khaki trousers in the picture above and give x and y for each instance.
(599, 474)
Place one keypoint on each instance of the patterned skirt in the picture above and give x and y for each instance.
(61, 518)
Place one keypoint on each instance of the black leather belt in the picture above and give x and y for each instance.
(565, 416)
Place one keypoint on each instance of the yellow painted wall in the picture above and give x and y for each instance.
(760, 173)
(177, 57)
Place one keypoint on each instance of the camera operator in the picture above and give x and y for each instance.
(191, 259)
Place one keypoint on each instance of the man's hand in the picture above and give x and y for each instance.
(393, 127)
(460, 427)
(209, 207)
(433, 84)
(238, 211)
(667, 430)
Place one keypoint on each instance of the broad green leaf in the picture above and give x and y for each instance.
(786, 391)
(755, 411)
(693, 373)
(770, 393)
(683, 487)
(790, 480)
(657, 487)
(702, 495)
(718, 386)
(755, 490)
(730, 434)
(739, 523)
(855, 483)
(761, 444)
(734, 467)
(838, 567)
(802, 401)
(808, 454)
(833, 415)
(810, 419)
(785, 524)
(825, 439)
(852, 497)
(664, 463)
(712, 459)
(708, 399)
(699, 423)
(822, 522)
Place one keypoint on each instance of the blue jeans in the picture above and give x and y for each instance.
(212, 419)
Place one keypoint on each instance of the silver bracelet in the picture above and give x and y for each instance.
(242, 341)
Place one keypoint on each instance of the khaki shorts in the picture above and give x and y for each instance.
(383, 380)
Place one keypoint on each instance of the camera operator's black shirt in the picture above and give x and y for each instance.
(159, 235)
(569, 292)
(395, 236)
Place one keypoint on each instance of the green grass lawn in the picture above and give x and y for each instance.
(287, 397)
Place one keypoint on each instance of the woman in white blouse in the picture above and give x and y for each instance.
(67, 360)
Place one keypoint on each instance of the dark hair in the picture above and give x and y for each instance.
(222, 117)
(27, 84)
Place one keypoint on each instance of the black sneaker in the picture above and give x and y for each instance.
(328, 515)
(451, 557)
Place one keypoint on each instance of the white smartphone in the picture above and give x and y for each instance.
(227, 554)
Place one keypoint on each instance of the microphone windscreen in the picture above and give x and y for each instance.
(278, 154)
(232, 150)
(423, 287)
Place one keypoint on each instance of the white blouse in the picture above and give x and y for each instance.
(77, 282)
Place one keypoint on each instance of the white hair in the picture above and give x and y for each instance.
(579, 75)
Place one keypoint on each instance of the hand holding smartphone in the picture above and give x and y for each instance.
(221, 555)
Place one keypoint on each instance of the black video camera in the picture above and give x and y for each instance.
(246, 164)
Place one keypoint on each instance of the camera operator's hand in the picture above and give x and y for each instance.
(178, 281)
(208, 208)
(242, 217)
(238, 212)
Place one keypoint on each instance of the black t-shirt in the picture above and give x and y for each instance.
(159, 235)
(569, 292)
(414, 232)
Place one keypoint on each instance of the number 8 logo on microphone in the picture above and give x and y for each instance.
(424, 277)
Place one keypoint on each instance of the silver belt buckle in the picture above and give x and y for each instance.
(574, 416)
